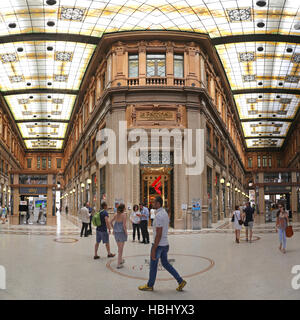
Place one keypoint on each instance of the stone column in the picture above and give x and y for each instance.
(261, 193)
(98, 200)
(51, 220)
(117, 174)
(121, 65)
(180, 196)
(170, 65)
(202, 71)
(142, 63)
(221, 197)
(14, 219)
(213, 197)
(294, 204)
(203, 177)
(191, 63)
(194, 183)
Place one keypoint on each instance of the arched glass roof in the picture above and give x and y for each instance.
(257, 41)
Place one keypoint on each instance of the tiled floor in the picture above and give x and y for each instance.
(44, 262)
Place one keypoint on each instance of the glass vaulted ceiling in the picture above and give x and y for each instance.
(263, 74)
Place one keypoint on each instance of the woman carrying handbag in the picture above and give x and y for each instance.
(237, 223)
(281, 226)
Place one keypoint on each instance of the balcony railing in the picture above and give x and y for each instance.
(133, 82)
(179, 82)
(156, 81)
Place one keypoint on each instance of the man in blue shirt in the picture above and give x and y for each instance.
(144, 223)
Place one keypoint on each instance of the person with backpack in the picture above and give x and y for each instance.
(101, 221)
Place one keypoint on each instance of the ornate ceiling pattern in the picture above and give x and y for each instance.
(40, 78)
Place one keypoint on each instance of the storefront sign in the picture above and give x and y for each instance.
(37, 191)
(156, 115)
(278, 189)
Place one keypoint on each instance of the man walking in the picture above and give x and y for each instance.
(84, 216)
(91, 217)
(249, 220)
(144, 223)
(101, 232)
(160, 248)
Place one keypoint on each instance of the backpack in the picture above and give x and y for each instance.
(97, 219)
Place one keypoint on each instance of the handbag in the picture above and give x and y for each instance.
(289, 231)
(240, 221)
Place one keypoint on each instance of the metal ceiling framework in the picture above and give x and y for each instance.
(47, 45)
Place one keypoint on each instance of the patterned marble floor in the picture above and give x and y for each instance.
(44, 262)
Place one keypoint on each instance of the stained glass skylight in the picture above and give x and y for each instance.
(56, 65)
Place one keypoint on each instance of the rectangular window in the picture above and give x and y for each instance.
(44, 163)
(133, 66)
(270, 162)
(264, 161)
(278, 162)
(94, 146)
(29, 163)
(208, 131)
(49, 162)
(58, 163)
(249, 162)
(87, 155)
(258, 162)
(156, 65)
(216, 149)
(178, 66)
(38, 164)
(223, 153)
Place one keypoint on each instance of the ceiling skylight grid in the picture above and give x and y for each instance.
(252, 65)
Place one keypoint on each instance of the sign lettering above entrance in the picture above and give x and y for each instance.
(28, 190)
(155, 115)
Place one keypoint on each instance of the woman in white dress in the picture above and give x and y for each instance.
(237, 226)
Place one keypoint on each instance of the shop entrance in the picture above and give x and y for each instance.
(158, 181)
(271, 201)
(33, 210)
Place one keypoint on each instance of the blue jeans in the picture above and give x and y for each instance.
(282, 237)
(162, 254)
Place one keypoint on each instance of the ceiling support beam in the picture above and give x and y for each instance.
(267, 119)
(266, 137)
(266, 90)
(39, 91)
(43, 36)
(43, 138)
(256, 38)
(43, 120)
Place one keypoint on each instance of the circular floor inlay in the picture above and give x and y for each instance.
(137, 267)
(65, 240)
(254, 238)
